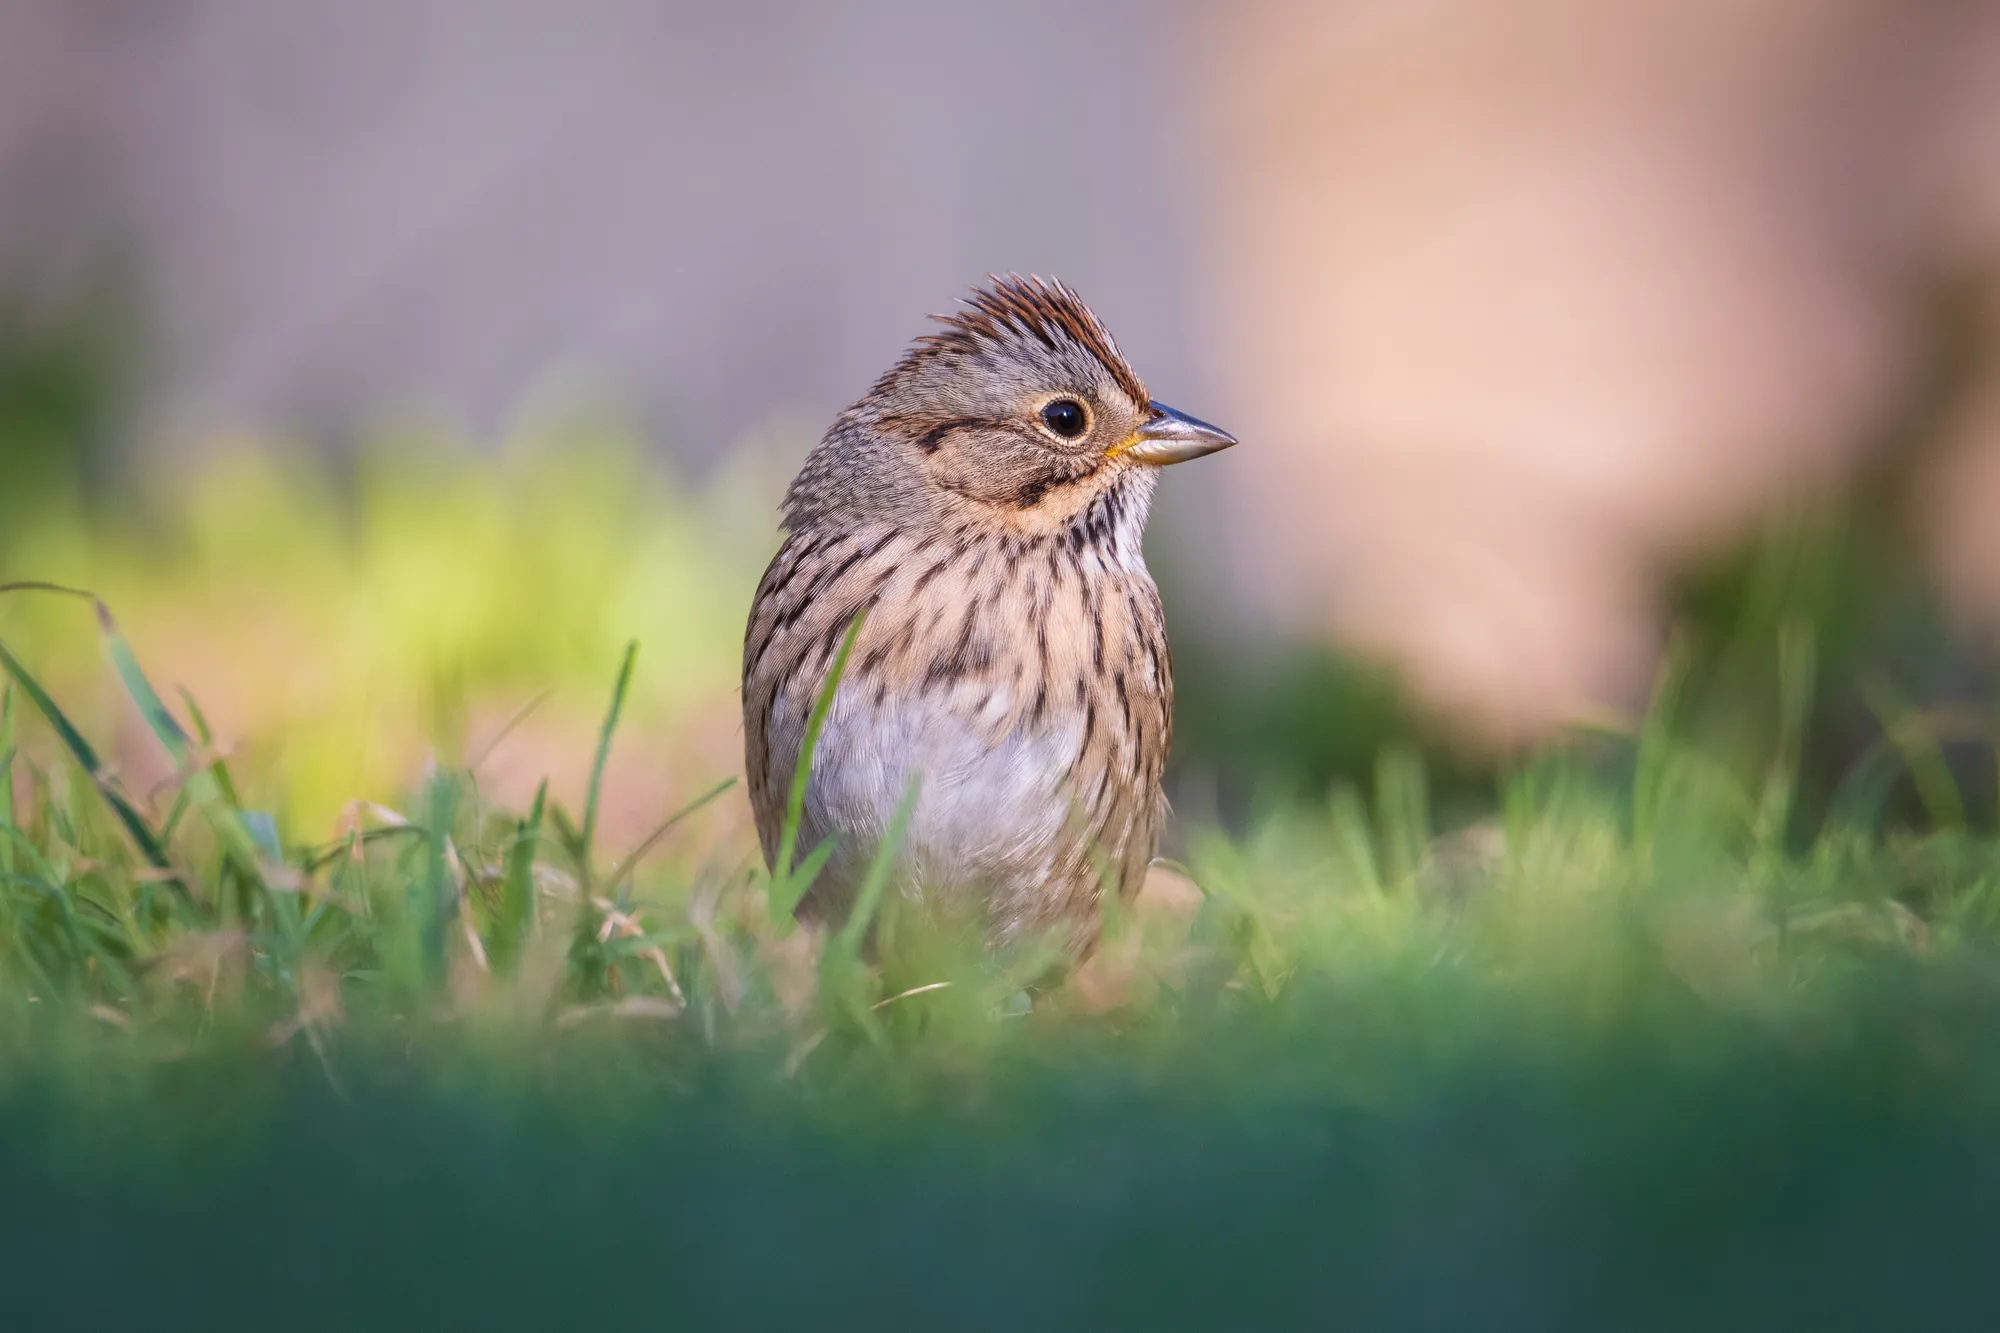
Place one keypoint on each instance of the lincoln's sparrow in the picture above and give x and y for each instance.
(982, 505)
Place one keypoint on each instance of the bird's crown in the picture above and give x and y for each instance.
(1031, 316)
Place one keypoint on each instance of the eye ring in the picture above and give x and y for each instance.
(1065, 418)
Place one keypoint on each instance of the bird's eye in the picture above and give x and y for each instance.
(1066, 417)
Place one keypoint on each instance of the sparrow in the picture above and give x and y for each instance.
(980, 511)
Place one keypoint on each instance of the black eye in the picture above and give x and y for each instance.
(1066, 417)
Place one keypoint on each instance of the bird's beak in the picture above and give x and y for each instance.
(1167, 436)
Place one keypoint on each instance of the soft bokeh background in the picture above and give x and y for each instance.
(388, 363)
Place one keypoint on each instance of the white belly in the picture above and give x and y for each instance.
(988, 809)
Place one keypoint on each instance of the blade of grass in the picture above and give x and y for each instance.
(625, 867)
(515, 922)
(135, 824)
(221, 812)
(1796, 672)
(1402, 812)
(1653, 758)
(788, 882)
(566, 834)
(847, 944)
(206, 735)
(596, 789)
(210, 791)
(1916, 740)
(440, 899)
(6, 778)
(1347, 821)
(521, 715)
(841, 974)
(203, 785)
(786, 893)
(175, 812)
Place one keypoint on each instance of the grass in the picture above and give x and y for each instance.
(1653, 1033)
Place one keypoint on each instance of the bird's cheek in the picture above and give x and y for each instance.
(1000, 476)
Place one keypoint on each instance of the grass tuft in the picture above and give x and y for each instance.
(790, 880)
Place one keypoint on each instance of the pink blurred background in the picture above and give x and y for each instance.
(1518, 308)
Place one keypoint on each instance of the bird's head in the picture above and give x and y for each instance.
(1018, 412)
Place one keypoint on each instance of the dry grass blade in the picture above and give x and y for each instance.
(520, 715)
(626, 925)
(625, 867)
(904, 995)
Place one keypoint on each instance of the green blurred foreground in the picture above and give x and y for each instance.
(1649, 1045)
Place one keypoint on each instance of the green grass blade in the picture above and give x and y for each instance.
(1402, 808)
(1797, 672)
(135, 824)
(205, 790)
(175, 813)
(787, 892)
(206, 735)
(6, 778)
(786, 886)
(1347, 822)
(1654, 755)
(1916, 740)
(126, 664)
(208, 790)
(438, 904)
(515, 922)
(566, 833)
(596, 790)
(847, 944)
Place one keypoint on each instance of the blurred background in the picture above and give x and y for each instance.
(387, 364)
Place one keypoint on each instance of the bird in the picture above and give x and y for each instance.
(979, 512)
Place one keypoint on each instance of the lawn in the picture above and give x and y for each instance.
(414, 967)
